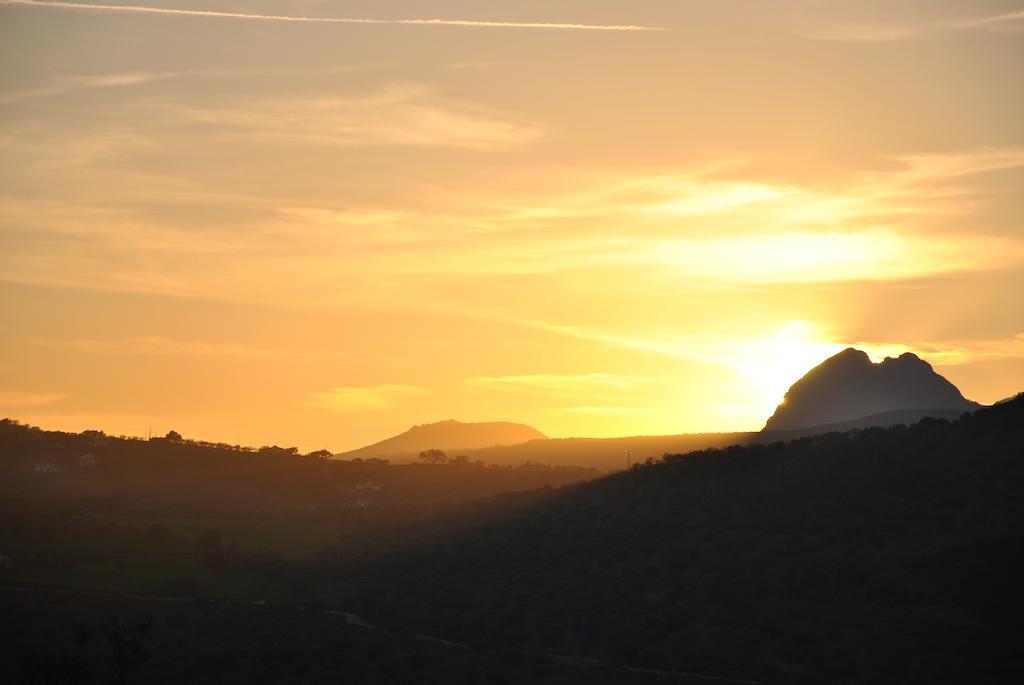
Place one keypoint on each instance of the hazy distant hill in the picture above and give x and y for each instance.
(614, 454)
(904, 417)
(849, 387)
(607, 454)
(449, 436)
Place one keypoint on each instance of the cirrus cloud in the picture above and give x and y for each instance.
(159, 346)
(885, 32)
(402, 115)
(571, 384)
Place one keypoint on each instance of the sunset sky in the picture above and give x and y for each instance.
(596, 217)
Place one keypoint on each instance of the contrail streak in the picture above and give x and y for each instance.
(331, 20)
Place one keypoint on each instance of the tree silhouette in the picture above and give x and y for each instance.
(433, 457)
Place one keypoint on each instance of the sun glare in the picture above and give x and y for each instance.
(773, 363)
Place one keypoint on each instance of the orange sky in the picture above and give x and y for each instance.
(595, 217)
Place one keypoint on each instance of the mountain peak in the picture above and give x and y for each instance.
(908, 359)
(849, 386)
(851, 356)
(445, 422)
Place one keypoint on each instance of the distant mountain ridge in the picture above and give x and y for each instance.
(849, 387)
(608, 454)
(448, 436)
(613, 454)
(845, 392)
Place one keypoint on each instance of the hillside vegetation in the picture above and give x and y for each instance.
(178, 477)
(879, 555)
(175, 516)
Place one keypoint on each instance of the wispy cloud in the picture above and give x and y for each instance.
(590, 394)
(881, 32)
(874, 226)
(346, 399)
(916, 218)
(953, 352)
(409, 115)
(801, 340)
(573, 384)
(77, 83)
(875, 254)
(74, 84)
(468, 23)
(986, 22)
(16, 399)
(770, 363)
(160, 347)
(607, 411)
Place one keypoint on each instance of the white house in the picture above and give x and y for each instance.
(87, 460)
(47, 467)
(368, 485)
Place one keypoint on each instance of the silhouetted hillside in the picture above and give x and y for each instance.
(179, 477)
(883, 555)
(448, 436)
(849, 386)
(898, 417)
(1010, 399)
